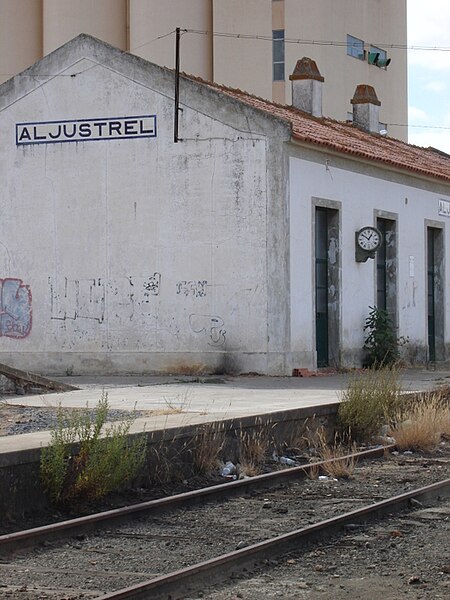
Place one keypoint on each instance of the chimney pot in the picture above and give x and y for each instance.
(307, 87)
(306, 68)
(366, 108)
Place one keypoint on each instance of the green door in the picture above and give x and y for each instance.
(321, 291)
(431, 280)
(381, 267)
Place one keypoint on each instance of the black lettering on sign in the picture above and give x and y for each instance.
(100, 127)
(57, 135)
(83, 130)
(130, 127)
(36, 136)
(25, 135)
(66, 130)
(115, 126)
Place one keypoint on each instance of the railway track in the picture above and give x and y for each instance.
(32, 537)
(165, 550)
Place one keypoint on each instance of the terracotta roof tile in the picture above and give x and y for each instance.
(346, 138)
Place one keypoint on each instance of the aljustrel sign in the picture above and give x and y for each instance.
(86, 130)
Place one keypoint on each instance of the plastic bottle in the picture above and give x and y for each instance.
(284, 460)
(228, 469)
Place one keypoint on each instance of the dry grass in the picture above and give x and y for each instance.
(253, 449)
(339, 462)
(168, 459)
(421, 425)
(207, 447)
(178, 404)
(161, 412)
(341, 465)
(313, 472)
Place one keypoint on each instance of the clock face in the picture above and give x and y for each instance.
(369, 238)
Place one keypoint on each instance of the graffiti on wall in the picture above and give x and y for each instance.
(72, 299)
(152, 286)
(15, 308)
(130, 299)
(209, 325)
(197, 289)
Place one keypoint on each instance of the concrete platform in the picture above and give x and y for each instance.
(184, 401)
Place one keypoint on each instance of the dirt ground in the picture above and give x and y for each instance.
(16, 418)
(405, 556)
(12, 415)
(402, 557)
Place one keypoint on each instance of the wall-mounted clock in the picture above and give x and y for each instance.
(368, 240)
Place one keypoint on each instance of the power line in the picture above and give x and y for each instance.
(266, 38)
(263, 38)
(418, 126)
(247, 36)
(160, 37)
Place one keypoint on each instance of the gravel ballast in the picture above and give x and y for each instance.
(150, 546)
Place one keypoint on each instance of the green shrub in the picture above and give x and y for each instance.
(86, 459)
(370, 400)
(381, 343)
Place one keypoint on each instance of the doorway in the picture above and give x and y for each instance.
(327, 286)
(386, 268)
(435, 294)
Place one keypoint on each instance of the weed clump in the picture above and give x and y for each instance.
(420, 425)
(339, 457)
(370, 400)
(207, 447)
(86, 460)
(254, 446)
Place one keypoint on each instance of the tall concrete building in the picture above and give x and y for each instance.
(255, 43)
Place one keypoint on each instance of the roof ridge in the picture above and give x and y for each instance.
(286, 107)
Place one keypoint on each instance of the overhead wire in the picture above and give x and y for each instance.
(267, 38)
(248, 36)
(160, 37)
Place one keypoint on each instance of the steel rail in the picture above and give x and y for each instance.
(28, 538)
(186, 581)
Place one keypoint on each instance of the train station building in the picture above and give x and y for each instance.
(253, 237)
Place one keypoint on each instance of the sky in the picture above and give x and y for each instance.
(429, 73)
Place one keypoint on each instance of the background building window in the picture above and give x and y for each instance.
(355, 47)
(278, 54)
(378, 57)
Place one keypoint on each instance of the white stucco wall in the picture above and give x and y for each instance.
(140, 254)
(143, 255)
(360, 195)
